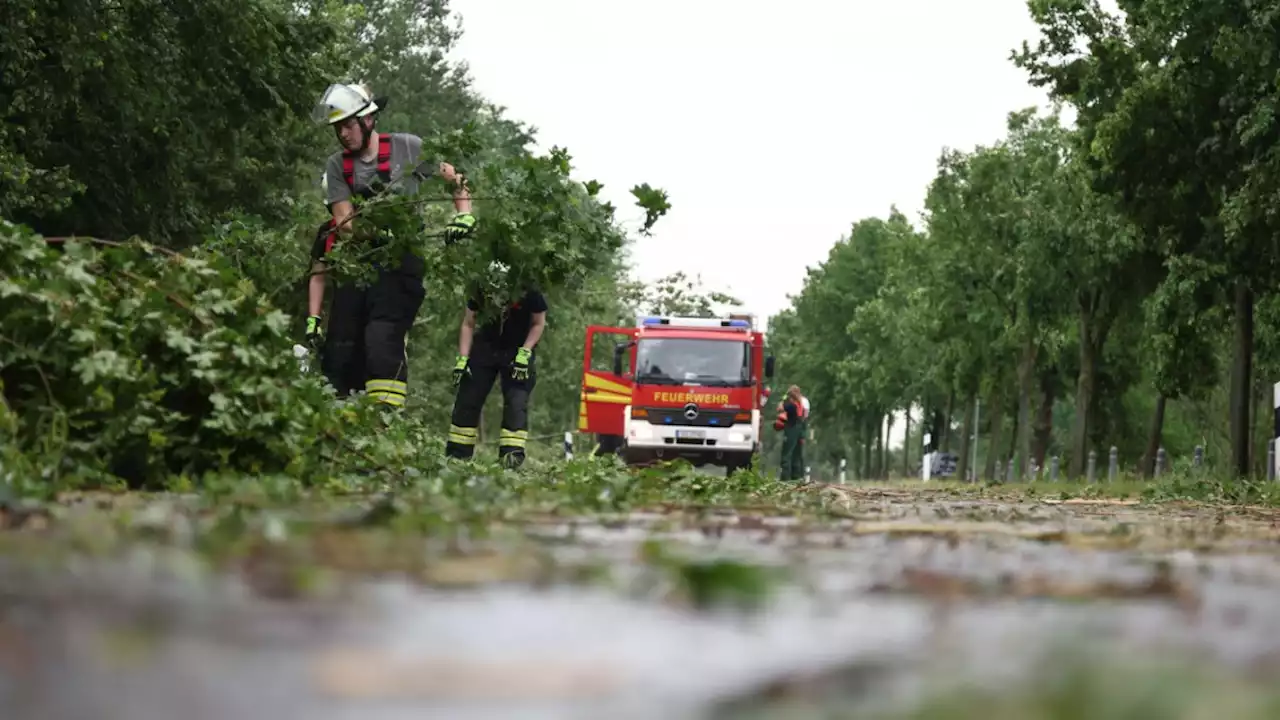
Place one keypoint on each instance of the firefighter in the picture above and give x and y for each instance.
(500, 348)
(316, 281)
(368, 326)
(792, 420)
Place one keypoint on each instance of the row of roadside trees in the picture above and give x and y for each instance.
(1108, 281)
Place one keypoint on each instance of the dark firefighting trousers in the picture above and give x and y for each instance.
(368, 326)
(792, 464)
(487, 364)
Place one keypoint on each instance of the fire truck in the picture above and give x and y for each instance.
(676, 387)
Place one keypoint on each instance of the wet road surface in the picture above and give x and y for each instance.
(601, 617)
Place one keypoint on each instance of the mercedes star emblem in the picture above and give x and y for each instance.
(690, 411)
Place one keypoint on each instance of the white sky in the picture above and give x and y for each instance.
(772, 126)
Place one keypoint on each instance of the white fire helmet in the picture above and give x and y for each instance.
(341, 101)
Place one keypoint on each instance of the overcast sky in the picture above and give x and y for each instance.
(773, 126)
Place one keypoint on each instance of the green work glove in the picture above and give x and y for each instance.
(520, 368)
(459, 369)
(460, 227)
(314, 335)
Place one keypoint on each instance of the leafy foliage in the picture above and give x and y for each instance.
(121, 358)
(151, 118)
(1081, 283)
(678, 295)
(538, 228)
(145, 363)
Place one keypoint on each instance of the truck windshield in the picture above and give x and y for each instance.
(688, 361)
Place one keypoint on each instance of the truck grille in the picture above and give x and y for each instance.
(706, 418)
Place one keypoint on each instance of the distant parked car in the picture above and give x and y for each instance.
(939, 465)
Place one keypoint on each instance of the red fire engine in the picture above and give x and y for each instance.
(680, 387)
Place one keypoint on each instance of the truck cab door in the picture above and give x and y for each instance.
(605, 393)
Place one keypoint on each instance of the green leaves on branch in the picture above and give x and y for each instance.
(654, 202)
(545, 229)
(144, 363)
(122, 360)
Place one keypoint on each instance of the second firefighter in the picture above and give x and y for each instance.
(499, 349)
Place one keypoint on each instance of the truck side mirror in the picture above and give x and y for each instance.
(618, 351)
(768, 367)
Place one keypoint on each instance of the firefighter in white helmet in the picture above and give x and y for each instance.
(368, 327)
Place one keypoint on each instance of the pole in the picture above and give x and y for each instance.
(977, 410)
(568, 445)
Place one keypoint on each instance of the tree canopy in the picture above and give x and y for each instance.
(1070, 286)
(159, 198)
(1076, 286)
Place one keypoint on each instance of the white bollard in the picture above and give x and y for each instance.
(568, 446)
(1275, 432)
(842, 471)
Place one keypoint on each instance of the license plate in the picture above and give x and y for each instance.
(691, 434)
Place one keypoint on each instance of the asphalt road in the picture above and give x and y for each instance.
(910, 593)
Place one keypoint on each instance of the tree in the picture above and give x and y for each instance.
(141, 117)
(548, 228)
(1179, 114)
(677, 295)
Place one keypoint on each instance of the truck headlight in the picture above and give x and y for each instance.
(737, 437)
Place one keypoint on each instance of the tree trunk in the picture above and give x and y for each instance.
(1241, 371)
(1026, 385)
(867, 449)
(1255, 416)
(1044, 420)
(1012, 448)
(995, 411)
(966, 446)
(946, 427)
(935, 430)
(878, 449)
(873, 463)
(1086, 381)
(1153, 438)
(924, 426)
(906, 443)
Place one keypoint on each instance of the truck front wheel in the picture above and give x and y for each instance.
(609, 444)
(733, 465)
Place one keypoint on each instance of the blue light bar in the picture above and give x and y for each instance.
(692, 323)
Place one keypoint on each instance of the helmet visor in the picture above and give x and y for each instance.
(338, 103)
